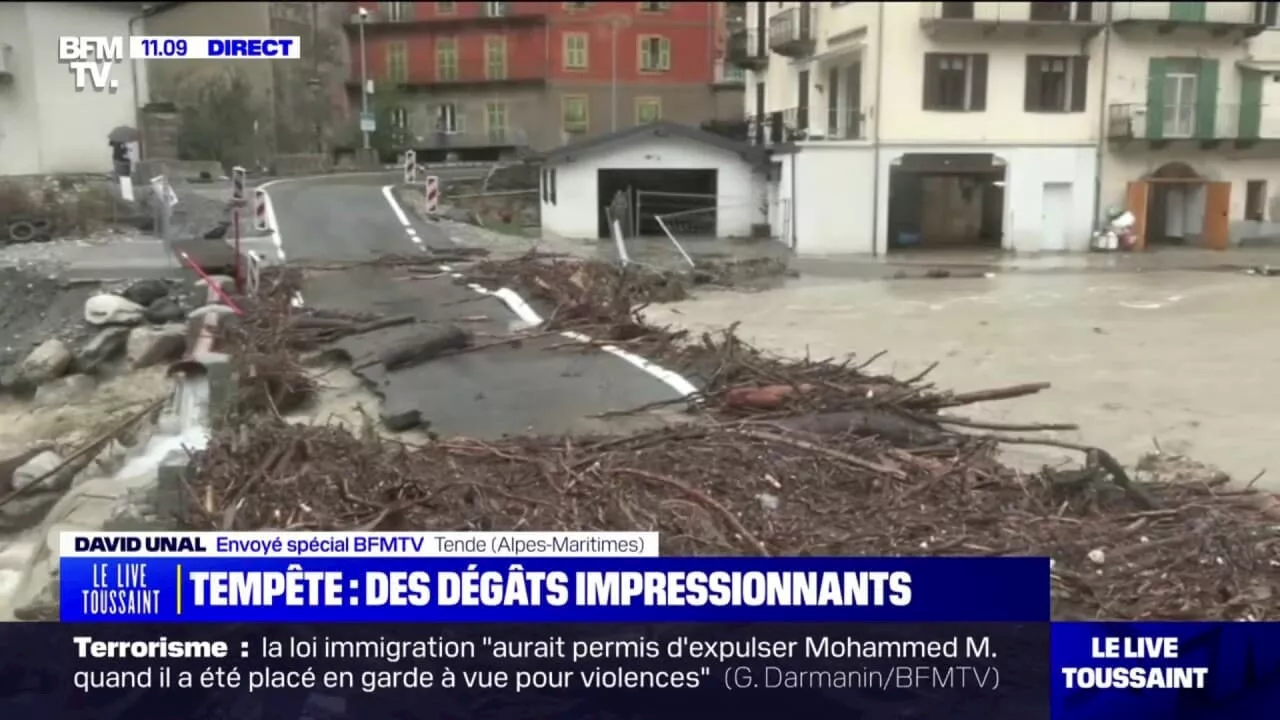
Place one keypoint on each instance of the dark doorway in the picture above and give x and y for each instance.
(1176, 209)
(947, 202)
(684, 193)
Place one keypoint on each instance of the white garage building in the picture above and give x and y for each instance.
(699, 182)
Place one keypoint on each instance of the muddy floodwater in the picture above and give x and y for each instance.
(1188, 359)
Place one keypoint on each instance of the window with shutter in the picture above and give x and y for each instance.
(956, 83)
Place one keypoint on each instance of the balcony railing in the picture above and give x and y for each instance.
(729, 74)
(793, 31)
(1024, 21)
(464, 15)
(1193, 121)
(1226, 12)
(780, 126)
(747, 48)
(1013, 12)
(836, 124)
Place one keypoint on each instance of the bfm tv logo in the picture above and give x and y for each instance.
(90, 60)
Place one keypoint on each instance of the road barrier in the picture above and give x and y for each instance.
(410, 164)
(431, 195)
(253, 272)
(260, 221)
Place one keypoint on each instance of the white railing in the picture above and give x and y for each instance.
(1237, 13)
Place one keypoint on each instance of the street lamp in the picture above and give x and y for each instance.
(364, 78)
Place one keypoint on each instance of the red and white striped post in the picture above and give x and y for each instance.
(260, 221)
(410, 167)
(431, 197)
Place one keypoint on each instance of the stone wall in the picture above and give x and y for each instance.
(301, 164)
(513, 207)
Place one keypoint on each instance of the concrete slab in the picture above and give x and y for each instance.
(535, 387)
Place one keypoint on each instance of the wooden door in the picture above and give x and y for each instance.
(1217, 207)
(1136, 197)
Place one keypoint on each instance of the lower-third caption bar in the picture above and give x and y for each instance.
(547, 671)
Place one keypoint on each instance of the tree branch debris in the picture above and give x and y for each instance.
(779, 457)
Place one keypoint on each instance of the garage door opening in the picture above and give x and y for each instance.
(640, 195)
(946, 202)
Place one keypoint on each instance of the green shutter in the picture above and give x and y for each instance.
(1207, 99)
(1157, 68)
(1187, 11)
(1250, 127)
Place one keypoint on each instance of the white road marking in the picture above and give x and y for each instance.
(276, 240)
(395, 206)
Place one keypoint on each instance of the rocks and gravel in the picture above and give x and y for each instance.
(53, 328)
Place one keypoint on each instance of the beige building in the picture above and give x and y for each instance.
(301, 104)
(47, 125)
(1011, 124)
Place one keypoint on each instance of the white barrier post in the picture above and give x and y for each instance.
(410, 166)
(260, 221)
(254, 272)
(431, 196)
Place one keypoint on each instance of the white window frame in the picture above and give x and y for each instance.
(1180, 108)
(448, 119)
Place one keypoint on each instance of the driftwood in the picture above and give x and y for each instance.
(424, 347)
(781, 457)
(884, 423)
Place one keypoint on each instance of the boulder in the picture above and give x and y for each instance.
(164, 310)
(48, 361)
(145, 292)
(149, 346)
(38, 469)
(102, 348)
(64, 391)
(112, 310)
(10, 461)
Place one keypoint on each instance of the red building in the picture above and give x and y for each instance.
(480, 78)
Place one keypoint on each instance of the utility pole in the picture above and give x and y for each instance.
(364, 79)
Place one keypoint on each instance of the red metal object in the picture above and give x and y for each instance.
(217, 289)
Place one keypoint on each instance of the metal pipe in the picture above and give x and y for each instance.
(1102, 117)
(213, 284)
(875, 132)
(364, 79)
(662, 224)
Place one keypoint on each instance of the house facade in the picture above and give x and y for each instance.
(47, 126)
(1009, 125)
(488, 77)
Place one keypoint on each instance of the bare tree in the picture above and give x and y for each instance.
(219, 119)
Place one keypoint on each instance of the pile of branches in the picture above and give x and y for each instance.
(782, 458)
(264, 352)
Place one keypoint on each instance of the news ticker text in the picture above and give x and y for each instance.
(930, 659)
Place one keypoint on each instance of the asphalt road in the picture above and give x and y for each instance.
(534, 388)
